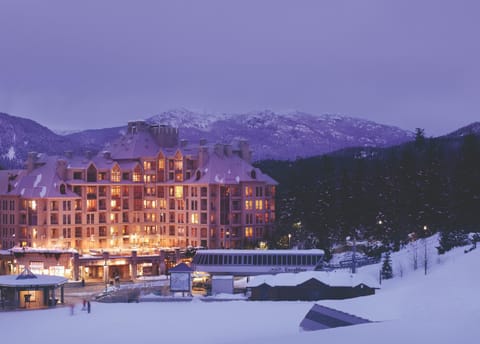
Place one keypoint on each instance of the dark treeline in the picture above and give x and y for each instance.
(425, 186)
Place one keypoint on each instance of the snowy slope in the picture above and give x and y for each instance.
(441, 307)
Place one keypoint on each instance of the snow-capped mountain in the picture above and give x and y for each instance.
(18, 136)
(271, 135)
(284, 136)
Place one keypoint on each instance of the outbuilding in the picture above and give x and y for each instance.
(310, 286)
(31, 291)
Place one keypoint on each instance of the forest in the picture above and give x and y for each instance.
(388, 195)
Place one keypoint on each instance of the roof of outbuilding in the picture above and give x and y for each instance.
(331, 278)
(182, 267)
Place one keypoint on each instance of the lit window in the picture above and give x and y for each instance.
(178, 191)
(248, 204)
(259, 204)
(115, 174)
(248, 232)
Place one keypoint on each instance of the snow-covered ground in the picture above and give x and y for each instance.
(441, 307)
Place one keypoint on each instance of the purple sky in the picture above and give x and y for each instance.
(91, 64)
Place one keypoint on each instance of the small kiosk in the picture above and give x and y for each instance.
(180, 278)
(30, 291)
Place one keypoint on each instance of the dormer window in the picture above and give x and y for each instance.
(63, 189)
(115, 174)
(253, 174)
(91, 174)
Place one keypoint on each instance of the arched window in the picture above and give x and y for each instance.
(91, 174)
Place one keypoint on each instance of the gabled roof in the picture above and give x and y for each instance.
(331, 278)
(230, 170)
(133, 146)
(42, 182)
(26, 274)
(182, 267)
(321, 318)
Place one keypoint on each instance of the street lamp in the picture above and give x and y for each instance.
(425, 228)
(289, 238)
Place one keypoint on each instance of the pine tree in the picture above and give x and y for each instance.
(451, 239)
(387, 271)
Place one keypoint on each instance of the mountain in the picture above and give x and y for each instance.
(271, 135)
(284, 136)
(18, 136)
(473, 128)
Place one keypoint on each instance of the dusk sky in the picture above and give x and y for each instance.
(98, 63)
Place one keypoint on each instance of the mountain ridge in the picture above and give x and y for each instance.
(272, 135)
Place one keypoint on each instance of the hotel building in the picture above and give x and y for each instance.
(147, 191)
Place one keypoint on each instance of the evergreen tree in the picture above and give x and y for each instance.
(450, 239)
(387, 271)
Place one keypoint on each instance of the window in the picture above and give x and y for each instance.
(115, 174)
(137, 175)
(91, 204)
(91, 174)
(148, 165)
(77, 175)
(248, 232)
(248, 204)
(258, 204)
(179, 191)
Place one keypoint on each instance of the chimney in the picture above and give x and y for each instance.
(218, 149)
(245, 152)
(62, 169)
(31, 160)
(228, 150)
(202, 156)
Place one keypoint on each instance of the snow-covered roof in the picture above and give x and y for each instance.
(230, 170)
(42, 182)
(17, 249)
(331, 278)
(39, 281)
(244, 252)
(182, 267)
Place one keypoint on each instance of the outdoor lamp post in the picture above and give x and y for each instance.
(425, 229)
(289, 238)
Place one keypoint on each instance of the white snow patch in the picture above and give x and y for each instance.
(22, 192)
(237, 179)
(43, 192)
(37, 180)
(10, 154)
(218, 179)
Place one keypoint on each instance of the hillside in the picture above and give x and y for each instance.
(441, 307)
(271, 135)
